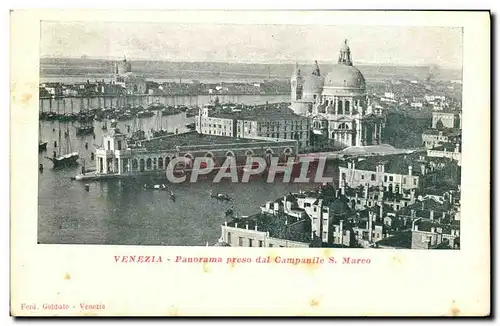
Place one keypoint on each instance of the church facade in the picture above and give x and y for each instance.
(132, 83)
(337, 104)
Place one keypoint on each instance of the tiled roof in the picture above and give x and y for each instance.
(260, 114)
(400, 240)
(426, 225)
(446, 146)
(275, 225)
(396, 164)
(194, 139)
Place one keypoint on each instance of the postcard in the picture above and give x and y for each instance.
(340, 157)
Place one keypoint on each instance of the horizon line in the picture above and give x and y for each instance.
(302, 61)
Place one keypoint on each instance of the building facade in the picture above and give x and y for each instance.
(116, 157)
(446, 119)
(131, 82)
(270, 123)
(337, 104)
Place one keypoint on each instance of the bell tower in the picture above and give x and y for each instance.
(297, 82)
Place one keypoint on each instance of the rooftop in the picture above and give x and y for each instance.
(384, 149)
(450, 132)
(279, 226)
(260, 114)
(427, 225)
(196, 139)
(396, 164)
(400, 240)
(446, 147)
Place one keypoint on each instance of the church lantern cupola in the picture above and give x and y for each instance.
(345, 55)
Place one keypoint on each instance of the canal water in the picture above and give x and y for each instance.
(76, 104)
(121, 212)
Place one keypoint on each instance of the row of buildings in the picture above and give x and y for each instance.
(403, 201)
(124, 81)
(377, 204)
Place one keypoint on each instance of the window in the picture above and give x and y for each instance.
(240, 241)
(391, 178)
(250, 242)
(385, 178)
(261, 243)
(362, 177)
(404, 180)
(373, 177)
(229, 237)
(282, 247)
(119, 145)
(109, 144)
(271, 245)
(415, 181)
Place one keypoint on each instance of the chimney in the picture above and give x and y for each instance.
(236, 225)
(410, 170)
(255, 227)
(225, 223)
(431, 216)
(370, 223)
(246, 226)
(341, 230)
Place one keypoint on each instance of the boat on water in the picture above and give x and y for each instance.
(42, 145)
(70, 159)
(84, 130)
(220, 196)
(145, 114)
(66, 159)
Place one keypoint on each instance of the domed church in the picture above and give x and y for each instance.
(337, 104)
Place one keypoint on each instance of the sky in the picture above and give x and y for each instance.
(440, 46)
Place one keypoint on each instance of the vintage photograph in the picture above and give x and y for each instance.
(296, 139)
(250, 135)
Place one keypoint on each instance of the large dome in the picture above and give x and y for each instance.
(345, 76)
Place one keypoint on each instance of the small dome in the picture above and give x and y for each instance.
(222, 244)
(339, 206)
(345, 76)
(313, 84)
